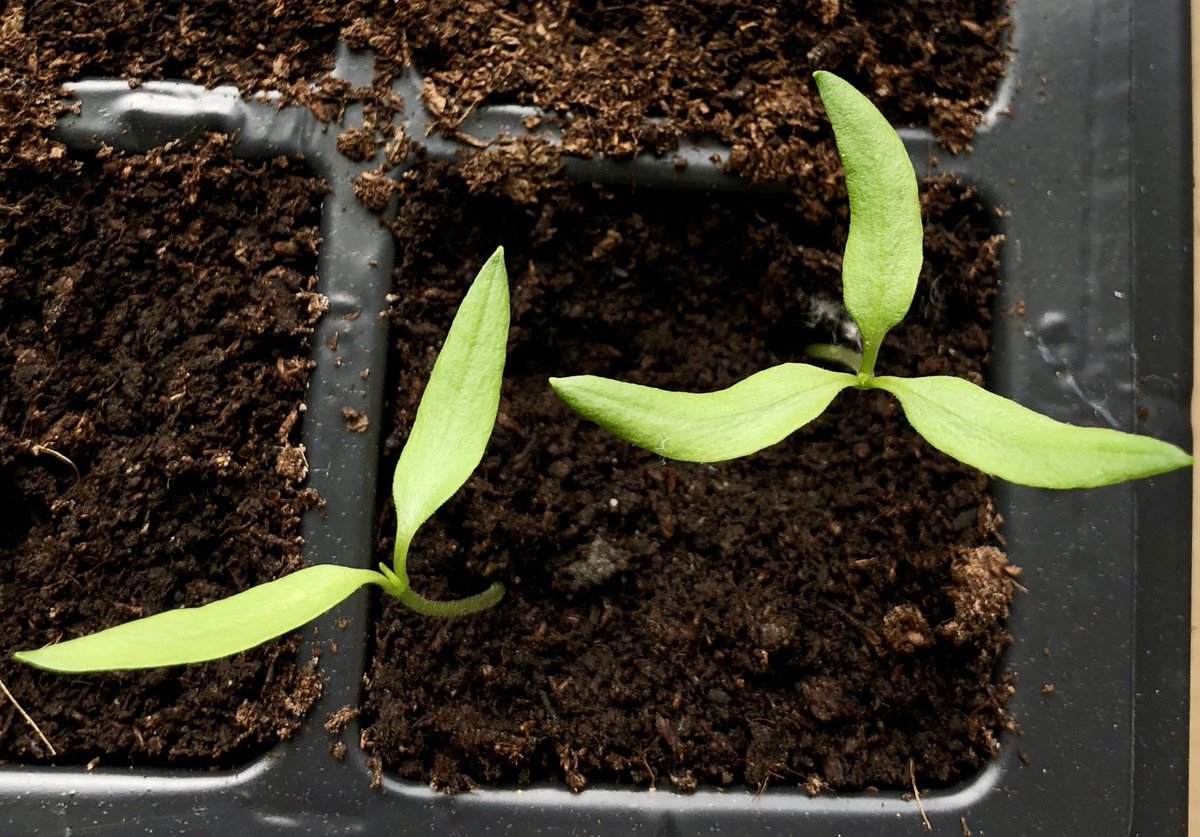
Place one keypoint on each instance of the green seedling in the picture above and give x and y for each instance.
(453, 423)
(879, 277)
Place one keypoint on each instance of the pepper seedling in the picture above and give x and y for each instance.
(879, 278)
(449, 434)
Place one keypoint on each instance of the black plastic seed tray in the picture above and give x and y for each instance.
(1087, 151)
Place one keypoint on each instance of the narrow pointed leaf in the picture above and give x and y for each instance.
(883, 250)
(707, 427)
(197, 634)
(458, 409)
(1004, 439)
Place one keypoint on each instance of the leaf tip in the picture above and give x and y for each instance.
(826, 81)
(1183, 460)
(564, 386)
(492, 279)
(32, 658)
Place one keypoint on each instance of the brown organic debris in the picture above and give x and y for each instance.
(356, 420)
(984, 584)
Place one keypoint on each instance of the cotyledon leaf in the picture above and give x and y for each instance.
(197, 634)
(458, 409)
(707, 427)
(883, 248)
(1006, 440)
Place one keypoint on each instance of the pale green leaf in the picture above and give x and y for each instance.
(707, 427)
(458, 410)
(197, 634)
(883, 251)
(1004, 439)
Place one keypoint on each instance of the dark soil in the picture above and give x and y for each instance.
(257, 46)
(283, 46)
(824, 613)
(155, 317)
(631, 76)
(844, 667)
(737, 70)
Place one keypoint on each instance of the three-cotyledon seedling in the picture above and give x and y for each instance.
(879, 277)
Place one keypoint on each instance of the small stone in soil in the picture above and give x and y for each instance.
(602, 562)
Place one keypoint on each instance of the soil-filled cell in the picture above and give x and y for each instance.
(155, 318)
(827, 613)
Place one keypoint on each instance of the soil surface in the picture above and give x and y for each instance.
(826, 613)
(155, 317)
(623, 77)
(844, 666)
(627, 77)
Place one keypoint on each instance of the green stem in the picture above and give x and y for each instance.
(842, 355)
(870, 354)
(455, 607)
(400, 588)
